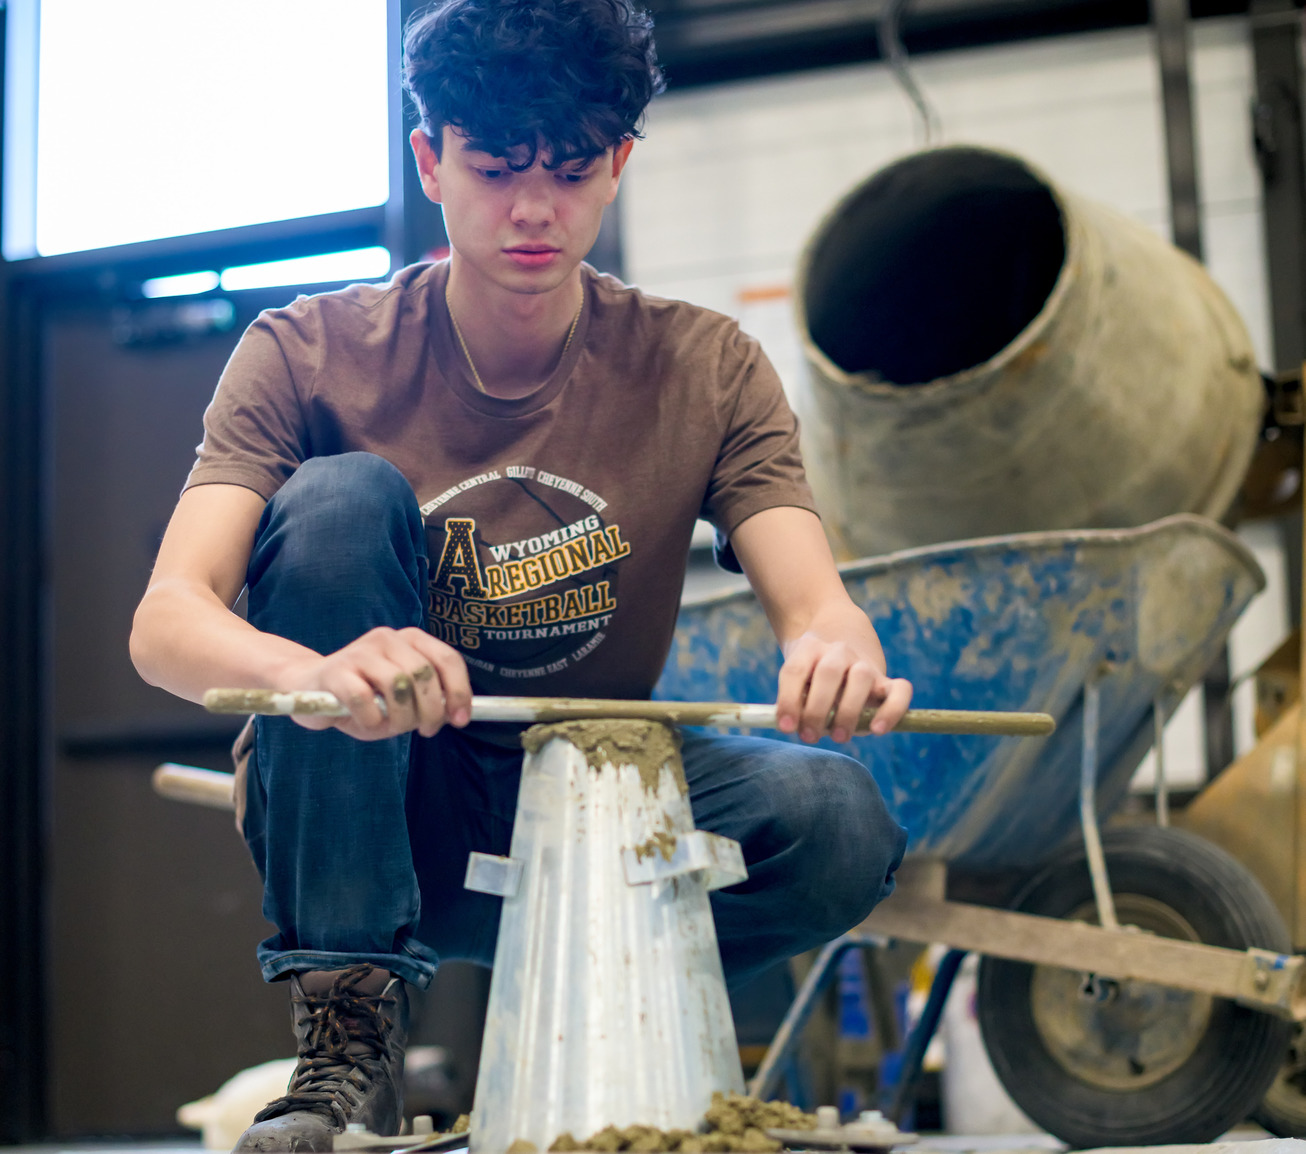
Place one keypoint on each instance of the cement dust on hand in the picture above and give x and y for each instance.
(733, 1123)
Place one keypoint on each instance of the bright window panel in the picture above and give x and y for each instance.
(161, 118)
(357, 264)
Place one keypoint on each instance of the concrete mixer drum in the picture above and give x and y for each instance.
(992, 354)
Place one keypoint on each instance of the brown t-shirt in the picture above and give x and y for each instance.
(558, 523)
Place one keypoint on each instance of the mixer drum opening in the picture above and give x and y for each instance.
(934, 266)
(992, 353)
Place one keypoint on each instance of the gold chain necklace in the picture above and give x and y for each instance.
(462, 341)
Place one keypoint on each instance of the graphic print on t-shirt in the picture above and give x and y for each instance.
(523, 570)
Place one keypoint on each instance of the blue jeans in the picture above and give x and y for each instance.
(362, 846)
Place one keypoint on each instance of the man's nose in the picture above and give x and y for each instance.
(533, 205)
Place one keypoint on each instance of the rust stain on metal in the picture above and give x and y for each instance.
(647, 745)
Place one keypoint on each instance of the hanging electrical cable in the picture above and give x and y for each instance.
(895, 56)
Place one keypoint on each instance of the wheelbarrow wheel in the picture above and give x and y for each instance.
(1283, 1109)
(1103, 1063)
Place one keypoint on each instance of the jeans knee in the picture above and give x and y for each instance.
(341, 499)
(339, 550)
(332, 523)
(856, 844)
(818, 839)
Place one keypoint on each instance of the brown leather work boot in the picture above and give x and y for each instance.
(351, 1066)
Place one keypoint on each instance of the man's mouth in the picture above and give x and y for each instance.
(532, 255)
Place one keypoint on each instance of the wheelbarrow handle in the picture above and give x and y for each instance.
(190, 783)
(718, 713)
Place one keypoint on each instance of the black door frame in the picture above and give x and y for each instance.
(29, 292)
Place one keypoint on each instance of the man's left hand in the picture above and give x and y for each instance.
(826, 684)
(834, 667)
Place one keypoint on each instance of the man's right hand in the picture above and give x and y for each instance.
(392, 681)
(186, 638)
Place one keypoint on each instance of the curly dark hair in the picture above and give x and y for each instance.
(570, 76)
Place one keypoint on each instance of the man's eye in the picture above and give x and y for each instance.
(574, 177)
(491, 173)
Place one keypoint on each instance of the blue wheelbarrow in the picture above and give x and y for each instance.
(1135, 985)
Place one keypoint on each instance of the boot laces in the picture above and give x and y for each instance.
(344, 1043)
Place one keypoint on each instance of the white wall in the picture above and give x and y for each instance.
(720, 198)
(732, 179)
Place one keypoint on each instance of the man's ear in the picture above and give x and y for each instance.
(428, 164)
(620, 154)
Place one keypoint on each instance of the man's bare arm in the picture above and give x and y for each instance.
(833, 659)
(186, 639)
(184, 636)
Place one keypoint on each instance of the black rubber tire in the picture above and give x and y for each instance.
(1283, 1109)
(1233, 1060)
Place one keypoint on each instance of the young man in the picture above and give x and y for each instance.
(485, 474)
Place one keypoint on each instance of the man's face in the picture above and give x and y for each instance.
(522, 231)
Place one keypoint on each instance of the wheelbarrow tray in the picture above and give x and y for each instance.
(1017, 622)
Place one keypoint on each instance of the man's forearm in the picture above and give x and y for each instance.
(834, 664)
(185, 640)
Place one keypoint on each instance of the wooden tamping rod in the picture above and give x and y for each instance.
(715, 713)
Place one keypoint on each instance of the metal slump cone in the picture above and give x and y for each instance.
(608, 1004)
